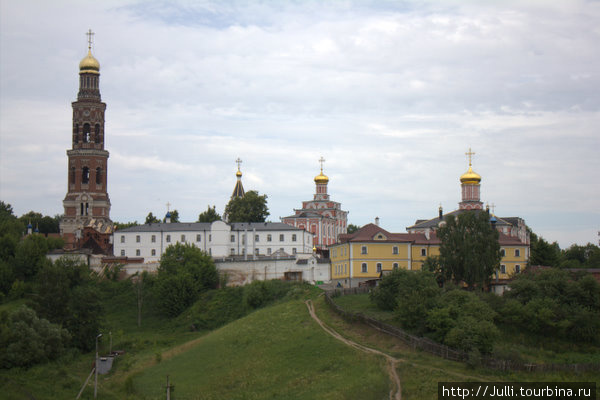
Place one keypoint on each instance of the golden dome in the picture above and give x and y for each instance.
(321, 179)
(470, 177)
(238, 173)
(89, 64)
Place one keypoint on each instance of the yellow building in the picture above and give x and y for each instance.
(363, 255)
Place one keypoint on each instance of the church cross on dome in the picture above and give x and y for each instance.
(90, 34)
(321, 160)
(239, 162)
(470, 154)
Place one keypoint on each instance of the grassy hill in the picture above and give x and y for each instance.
(277, 352)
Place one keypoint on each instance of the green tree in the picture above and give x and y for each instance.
(555, 302)
(151, 219)
(64, 294)
(463, 321)
(185, 271)
(9, 224)
(123, 225)
(30, 256)
(250, 208)
(44, 224)
(210, 215)
(352, 228)
(26, 340)
(542, 252)
(469, 249)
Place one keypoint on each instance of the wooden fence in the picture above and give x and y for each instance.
(441, 350)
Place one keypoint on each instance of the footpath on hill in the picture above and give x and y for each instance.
(396, 392)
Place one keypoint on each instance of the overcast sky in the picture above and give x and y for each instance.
(390, 93)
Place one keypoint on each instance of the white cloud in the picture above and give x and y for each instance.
(390, 94)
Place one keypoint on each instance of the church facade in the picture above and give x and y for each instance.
(86, 221)
(321, 216)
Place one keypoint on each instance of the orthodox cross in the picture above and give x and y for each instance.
(238, 161)
(168, 205)
(470, 154)
(89, 34)
(493, 207)
(321, 160)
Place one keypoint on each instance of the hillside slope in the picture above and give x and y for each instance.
(276, 352)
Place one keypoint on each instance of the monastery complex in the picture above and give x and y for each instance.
(311, 244)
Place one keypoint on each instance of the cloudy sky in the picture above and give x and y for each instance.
(390, 93)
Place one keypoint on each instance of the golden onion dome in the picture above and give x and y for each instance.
(470, 177)
(238, 173)
(321, 179)
(89, 64)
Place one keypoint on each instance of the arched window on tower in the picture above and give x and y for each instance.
(97, 133)
(98, 176)
(86, 132)
(85, 175)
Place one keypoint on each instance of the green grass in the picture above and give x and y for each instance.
(277, 352)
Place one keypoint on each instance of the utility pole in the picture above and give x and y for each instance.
(96, 368)
(168, 389)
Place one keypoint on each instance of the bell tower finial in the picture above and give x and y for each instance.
(321, 160)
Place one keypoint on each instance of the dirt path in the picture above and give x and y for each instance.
(392, 363)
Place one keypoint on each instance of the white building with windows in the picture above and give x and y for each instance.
(219, 239)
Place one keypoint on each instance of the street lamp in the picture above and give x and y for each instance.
(96, 368)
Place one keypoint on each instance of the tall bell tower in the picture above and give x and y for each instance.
(87, 204)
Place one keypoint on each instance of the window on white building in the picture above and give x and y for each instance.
(281, 237)
(122, 238)
(364, 267)
(138, 238)
(168, 238)
(122, 253)
(294, 250)
(153, 239)
(232, 239)
(153, 252)
(198, 238)
(137, 252)
(232, 251)
(256, 238)
(256, 252)
(269, 238)
(182, 238)
(293, 237)
(269, 251)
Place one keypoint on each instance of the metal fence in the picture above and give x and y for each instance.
(441, 350)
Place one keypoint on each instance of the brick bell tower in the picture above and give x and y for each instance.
(86, 221)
